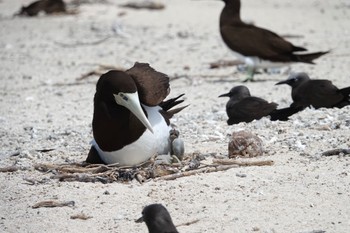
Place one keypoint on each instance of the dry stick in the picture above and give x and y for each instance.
(223, 63)
(31, 181)
(175, 77)
(51, 203)
(199, 75)
(336, 152)
(197, 171)
(96, 72)
(70, 169)
(9, 169)
(83, 178)
(144, 5)
(83, 43)
(99, 71)
(187, 223)
(226, 165)
(81, 216)
(243, 163)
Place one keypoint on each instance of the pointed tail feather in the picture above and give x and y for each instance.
(283, 114)
(169, 114)
(166, 105)
(309, 57)
(345, 91)
(297, 49)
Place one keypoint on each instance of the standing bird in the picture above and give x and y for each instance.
(157, 219)
(242, 107)
(317, 93)
(131, 122)
(258, 47)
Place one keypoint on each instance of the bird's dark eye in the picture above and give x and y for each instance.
(123, 96)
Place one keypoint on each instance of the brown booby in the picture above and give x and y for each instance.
(242, 107)
(157, 219)
(258, 47)
(131, 122)
(318, 93)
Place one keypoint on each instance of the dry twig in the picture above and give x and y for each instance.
(79, 43)
(149, 5)
(12, 168)
(51, 203)
(148, 170)
(81, 216)
(187, 223)
(222, 63)
(243, 163)
(336, 152)
(206, 169)
(101, 69)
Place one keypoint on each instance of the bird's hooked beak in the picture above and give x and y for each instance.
(131, 102)
(225, 95)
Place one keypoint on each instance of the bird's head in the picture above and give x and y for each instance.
(295, 79)
(237, 93)
(120, 88)
(157, 217)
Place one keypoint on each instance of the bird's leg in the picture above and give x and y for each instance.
(250, 74)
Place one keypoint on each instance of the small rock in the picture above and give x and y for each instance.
(241, 175)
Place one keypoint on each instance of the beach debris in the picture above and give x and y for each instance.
(192, 164)
(336, 152)
(12, 168)
(244, 144)
(224, 63)
(80, 216)
(52, 203)
(101, 69)
(149, 5)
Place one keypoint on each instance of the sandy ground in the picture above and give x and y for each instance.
(43, 106)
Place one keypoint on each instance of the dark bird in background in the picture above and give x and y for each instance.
(157, 219)
(131, 120)
(258, 47)
(47, 6)
(242, 107)
(318, 93)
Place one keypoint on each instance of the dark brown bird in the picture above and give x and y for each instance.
(47, 6)
(242, 107)
(157, 219)
(131, 120)
(318, 93)
(258, 47)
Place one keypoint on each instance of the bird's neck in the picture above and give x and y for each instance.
(231, 12)
(115, 127)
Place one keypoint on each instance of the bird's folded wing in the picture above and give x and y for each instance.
(152, 86)
(254, 41)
